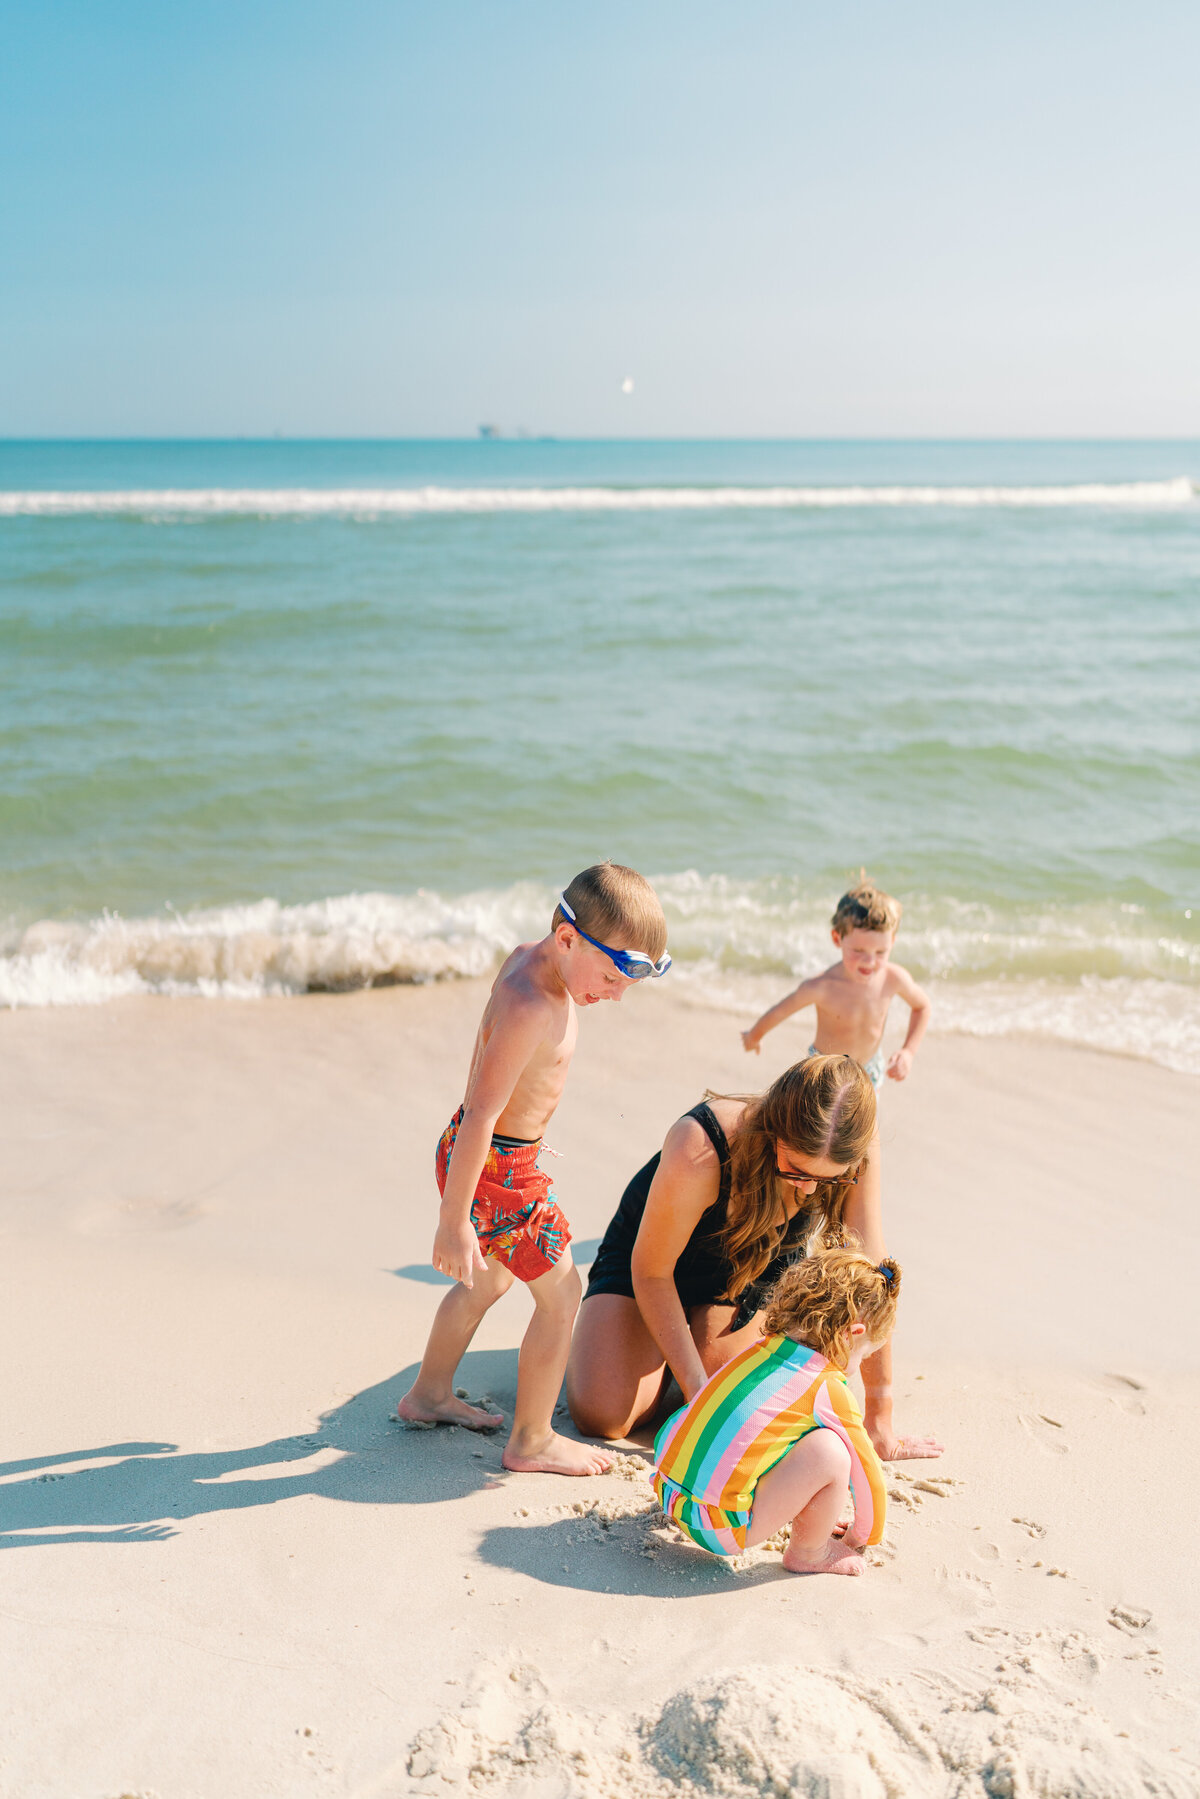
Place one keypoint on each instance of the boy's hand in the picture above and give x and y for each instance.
(456, 1251)
(750, 1041)
(900, 1064)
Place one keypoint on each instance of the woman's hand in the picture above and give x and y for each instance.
(891, 1448)
(751, 1041)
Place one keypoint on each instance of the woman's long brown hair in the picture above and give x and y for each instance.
(823, 1107)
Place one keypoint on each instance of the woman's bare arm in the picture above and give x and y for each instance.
(686, 1183)
(864, 1219)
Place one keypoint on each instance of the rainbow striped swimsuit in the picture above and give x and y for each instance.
(712, 1453)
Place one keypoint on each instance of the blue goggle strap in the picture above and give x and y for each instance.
(627, 960)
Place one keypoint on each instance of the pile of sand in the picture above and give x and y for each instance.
(773, 1733)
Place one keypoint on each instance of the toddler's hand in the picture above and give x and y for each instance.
(900, 1064)
(750, 1041)
(456, 1252)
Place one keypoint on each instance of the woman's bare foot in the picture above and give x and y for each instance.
(411, 1410)
(556, 1455)
(832, 1557)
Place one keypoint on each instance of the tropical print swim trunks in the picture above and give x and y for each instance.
(515, 1214)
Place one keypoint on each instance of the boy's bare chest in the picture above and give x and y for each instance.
(855, 1007)
(540, 1084)
(553, 1055)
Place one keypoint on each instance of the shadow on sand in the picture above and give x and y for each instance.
(141, 1492)
(583, 1251)
(565, 1552)
(145, 1488)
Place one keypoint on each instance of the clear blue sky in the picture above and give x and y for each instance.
(403, 217)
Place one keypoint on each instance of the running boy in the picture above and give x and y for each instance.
(777, 1434)
(499, 1219)
(853, 995)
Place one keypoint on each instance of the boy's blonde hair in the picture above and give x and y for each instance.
(818, 1299)
(866, 908)
(611, 902)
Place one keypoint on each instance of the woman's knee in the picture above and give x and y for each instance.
(592, 1419)
(596, 1409)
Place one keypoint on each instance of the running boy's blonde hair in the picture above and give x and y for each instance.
(866, 908)
(819, 1298)
(611, 901)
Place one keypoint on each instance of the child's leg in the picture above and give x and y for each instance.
(431, 1398)
(535, 1447)
(808, 1486)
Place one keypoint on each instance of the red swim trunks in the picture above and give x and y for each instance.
(514, 1211)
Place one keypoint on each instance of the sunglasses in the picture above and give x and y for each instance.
(798, 1178)
(631, 962)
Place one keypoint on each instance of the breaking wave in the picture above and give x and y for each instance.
(1109, 977)
(307, 502)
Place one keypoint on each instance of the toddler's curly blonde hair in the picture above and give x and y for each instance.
(817, 1300)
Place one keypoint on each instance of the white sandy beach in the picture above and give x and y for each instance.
(231, 1576)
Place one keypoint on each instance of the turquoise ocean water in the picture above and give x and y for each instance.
(281, 716)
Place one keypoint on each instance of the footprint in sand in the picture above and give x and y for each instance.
(970, 1587)
(1124, 1390)
(136, 1215)
(1129, 1618)
(1047, 1432)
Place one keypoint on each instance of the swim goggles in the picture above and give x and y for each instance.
(631, 962)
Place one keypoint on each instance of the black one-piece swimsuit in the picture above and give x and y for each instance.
(703, 1271)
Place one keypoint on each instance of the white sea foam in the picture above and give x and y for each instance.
(306, 502)
(1081, 975)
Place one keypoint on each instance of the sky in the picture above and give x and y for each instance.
(775, 219)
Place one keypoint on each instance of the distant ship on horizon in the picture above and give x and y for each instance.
(491, 432)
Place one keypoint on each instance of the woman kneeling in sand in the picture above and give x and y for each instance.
(706, 1228)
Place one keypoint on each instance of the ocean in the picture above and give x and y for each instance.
(287, 716)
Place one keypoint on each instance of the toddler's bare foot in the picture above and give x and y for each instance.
(453, 1410)
(832, 1557)
(556, 1455)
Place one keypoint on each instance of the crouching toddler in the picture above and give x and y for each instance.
(776, 1434)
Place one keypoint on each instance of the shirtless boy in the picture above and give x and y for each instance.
(852, 997)
(499, 1219)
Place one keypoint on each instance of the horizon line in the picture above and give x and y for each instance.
(275, 437)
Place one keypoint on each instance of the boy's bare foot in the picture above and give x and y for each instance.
(833, 1557)
(557, 1455)
(453, 1410)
